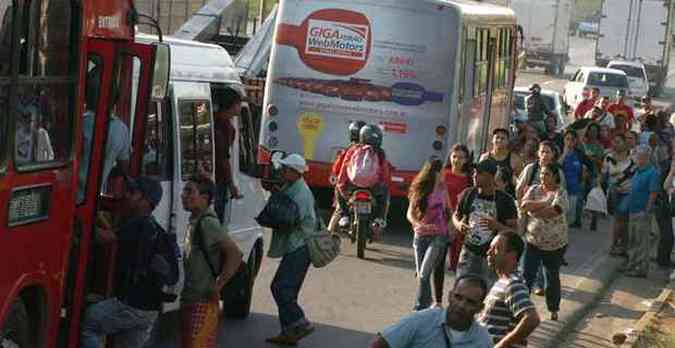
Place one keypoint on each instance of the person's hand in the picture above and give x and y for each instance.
(217, 288)
(489, 223)
(234, 192)
(464, 228)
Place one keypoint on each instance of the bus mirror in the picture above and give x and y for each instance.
(160, 77)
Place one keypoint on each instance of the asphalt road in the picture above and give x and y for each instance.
(351, 300)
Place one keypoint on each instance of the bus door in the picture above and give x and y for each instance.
(112, 95)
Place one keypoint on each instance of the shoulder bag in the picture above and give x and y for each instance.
(323, 246)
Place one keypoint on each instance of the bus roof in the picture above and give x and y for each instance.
(475, 11)
(197, 61)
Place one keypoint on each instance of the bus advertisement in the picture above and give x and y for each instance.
(395, 64)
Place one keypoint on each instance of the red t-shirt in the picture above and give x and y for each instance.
(585, 106)
(456, 185)
(622, 110)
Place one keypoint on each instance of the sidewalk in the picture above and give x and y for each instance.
(584, 283)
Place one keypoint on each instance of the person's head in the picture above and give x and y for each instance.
(535, 88)
(570, 138)
(484, 174)
(645, 102)
(502, 178)
(620, 96)
(355, 130)
(198, 193)
(465, 300)
(371, 135)
(595, 92)
(549, 175)
(585, 93)
(643, 153)
(460, 157)
(500, 139)
(226, 102)
(423, 185)
(593, 131)
(632, 139)
(547, 153)
(505, 251)
(293, 167)
(551, 123)
(619, 143)
(651, 122)
(603, 103)
(143, 195)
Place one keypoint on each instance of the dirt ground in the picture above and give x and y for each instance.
(662, 334)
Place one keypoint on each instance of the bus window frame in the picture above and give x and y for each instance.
(18, 80)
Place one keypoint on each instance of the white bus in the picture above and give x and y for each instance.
(430, 73)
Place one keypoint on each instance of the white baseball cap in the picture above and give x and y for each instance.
(295, 162)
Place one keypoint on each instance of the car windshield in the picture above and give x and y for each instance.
(520, 101)
(603, 79)
(632, 71)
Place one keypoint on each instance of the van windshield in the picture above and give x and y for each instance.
(632, 71)
(607, 80)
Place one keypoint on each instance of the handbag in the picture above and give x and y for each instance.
(280, 213)
(323, 246)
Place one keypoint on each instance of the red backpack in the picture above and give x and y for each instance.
(364, 167)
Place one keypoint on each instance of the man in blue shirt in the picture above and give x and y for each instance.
(643, 193)
(443, 328)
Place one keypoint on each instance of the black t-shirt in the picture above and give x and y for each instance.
(473, 206)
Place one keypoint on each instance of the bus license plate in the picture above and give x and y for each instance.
(362, 207)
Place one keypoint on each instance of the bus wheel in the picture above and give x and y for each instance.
(15, 332)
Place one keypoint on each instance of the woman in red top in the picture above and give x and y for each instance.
(457, 174)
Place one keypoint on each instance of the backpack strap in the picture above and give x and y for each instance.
(535, 169)
(202, 246)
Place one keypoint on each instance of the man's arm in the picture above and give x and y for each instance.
(232, 257)
(529, 320)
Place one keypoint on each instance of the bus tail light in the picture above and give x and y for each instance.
(362, 196)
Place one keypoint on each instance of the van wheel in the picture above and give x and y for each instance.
(240, 307)
(16, 329)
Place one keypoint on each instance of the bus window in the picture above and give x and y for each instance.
(248, 141)
(157, 156)
(6, 15)
(44, 107)
(481, 61)
(195, 137)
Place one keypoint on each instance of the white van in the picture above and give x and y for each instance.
(179, 139)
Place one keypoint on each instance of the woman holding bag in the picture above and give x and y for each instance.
(428, 215)
(546, 205)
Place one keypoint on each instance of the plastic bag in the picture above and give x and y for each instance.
(596, 201)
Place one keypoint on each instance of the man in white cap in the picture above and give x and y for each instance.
(290, 246)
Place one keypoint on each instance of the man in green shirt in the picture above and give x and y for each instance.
(291, 247)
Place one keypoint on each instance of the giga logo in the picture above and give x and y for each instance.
(337, 39)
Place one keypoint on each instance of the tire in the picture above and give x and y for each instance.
(241, 308)
(16, 328)
(362, 232)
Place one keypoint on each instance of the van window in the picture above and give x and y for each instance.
(248, 142)
(632, 71)
(607, 80)
(157, 155)
(195, 136)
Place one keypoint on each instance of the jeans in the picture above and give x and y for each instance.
(552, 261)
(473, 263)
(131, 326)
(220, 202)
(574, 211)
(429, 250)
(540, 281)
(286, 287)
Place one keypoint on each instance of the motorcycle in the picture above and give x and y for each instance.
(361, 207)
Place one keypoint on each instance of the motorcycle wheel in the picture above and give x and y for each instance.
(361, 236)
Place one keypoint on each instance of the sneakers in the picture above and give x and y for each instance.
(344, 222)
(292, 336)
(554, 316)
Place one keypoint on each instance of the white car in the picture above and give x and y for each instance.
(553, 101)
(638, 82)
(608, 81)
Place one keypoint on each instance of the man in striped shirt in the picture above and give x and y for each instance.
(509, 314)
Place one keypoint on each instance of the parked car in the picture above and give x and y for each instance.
(638, 82)
(553, 101)
(609, 81)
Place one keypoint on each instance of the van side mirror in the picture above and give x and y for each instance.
(160, 76)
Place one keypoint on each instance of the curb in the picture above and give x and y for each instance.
(648, 318)
(596, 283)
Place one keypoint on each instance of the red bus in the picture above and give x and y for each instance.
(48, 50)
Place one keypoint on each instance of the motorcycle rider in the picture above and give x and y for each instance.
(369, 135)
(536, 109)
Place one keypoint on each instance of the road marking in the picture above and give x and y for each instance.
(547, 82)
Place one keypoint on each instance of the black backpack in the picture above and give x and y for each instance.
(166, 245)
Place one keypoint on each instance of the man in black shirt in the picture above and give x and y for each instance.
(482, 212)
(141, 272)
